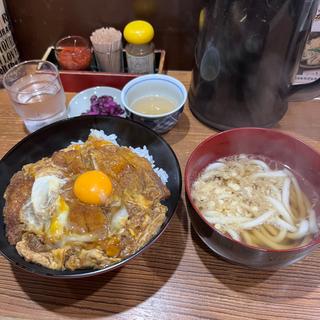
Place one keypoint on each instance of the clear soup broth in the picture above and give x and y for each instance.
(153, 105)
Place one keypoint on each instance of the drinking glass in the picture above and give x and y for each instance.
(36, 93)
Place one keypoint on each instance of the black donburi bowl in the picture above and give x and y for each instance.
(49, 139)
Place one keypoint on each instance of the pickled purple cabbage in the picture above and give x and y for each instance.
(105, 106)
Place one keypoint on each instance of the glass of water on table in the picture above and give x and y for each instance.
(36, 93)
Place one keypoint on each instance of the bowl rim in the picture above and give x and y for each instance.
(153, 77)
(73, 36)
(82, 273)
(56, 73)
(187, 184)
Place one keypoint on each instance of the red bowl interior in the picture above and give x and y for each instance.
(270, 143)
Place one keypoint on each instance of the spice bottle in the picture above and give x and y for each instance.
(140, 48)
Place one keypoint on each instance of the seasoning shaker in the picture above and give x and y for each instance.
(140, 48)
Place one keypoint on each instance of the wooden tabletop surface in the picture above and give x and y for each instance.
(178, 277)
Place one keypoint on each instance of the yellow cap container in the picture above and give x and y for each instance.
(138, 32)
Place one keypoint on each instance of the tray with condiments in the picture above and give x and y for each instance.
(74, 81)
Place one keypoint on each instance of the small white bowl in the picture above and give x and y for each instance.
(80, 103)
(152, 85)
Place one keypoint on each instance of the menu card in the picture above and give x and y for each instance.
(309, 69)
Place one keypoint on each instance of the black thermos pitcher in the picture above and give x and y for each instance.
(246, 57)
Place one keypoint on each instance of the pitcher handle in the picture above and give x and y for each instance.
(304, 92)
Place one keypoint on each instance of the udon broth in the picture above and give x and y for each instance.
(257, 201)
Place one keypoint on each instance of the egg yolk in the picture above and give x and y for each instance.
(59, 220)
(92, 187)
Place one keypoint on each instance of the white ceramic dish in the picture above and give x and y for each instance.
(80, 103)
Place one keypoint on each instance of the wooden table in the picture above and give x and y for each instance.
(178, 277)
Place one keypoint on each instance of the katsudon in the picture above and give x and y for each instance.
(89, 205)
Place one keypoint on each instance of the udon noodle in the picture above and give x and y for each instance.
(244, 197)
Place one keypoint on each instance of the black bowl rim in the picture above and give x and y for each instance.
(93, 272)
(187, 185)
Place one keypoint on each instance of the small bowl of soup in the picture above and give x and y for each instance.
(253, 196)
(154, 100)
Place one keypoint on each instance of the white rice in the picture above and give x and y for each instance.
(142, 152)
(99, 134)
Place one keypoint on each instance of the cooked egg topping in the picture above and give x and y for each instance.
(59, 221)
(45, 191)
(93, 187)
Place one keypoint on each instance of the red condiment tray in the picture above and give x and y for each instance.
(75, 81)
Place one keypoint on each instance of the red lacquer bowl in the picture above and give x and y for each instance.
(264, 142)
